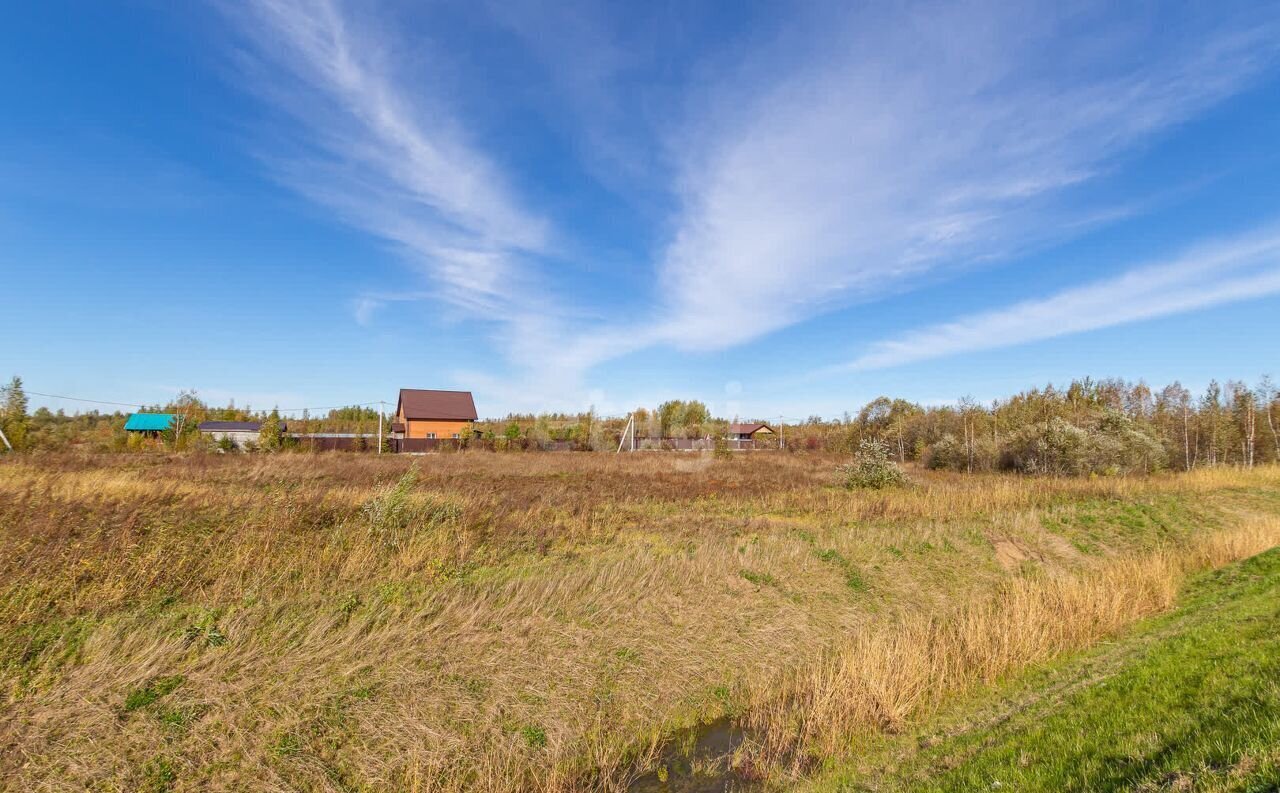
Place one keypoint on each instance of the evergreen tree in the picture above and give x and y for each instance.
(14, 415)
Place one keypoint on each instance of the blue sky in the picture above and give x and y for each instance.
(781, 209)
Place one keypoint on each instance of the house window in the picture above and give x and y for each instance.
(431, 435)
(456, 436)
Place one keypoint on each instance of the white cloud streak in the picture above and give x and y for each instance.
(392, 161)
(860, 151)
(1227, 272)
(386, 150)
(919, 140)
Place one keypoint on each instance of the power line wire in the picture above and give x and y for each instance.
(80, 399)
(144, 404)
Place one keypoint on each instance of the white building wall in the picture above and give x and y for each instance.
(241, 437)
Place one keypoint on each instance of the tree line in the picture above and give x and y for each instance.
(1090, 426)
(96, 430)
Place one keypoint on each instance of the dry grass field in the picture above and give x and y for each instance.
(543, 622)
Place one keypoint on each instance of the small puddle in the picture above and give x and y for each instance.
(705, 767)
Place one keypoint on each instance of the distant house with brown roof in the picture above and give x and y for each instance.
(423, 414)
(748, 432)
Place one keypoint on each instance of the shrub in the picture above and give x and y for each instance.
(1122, 445)
(1116, 445)
(388, 511)
(948, 454)
(394, 515)
(269, 437)
(1058, 447)
(871, 468)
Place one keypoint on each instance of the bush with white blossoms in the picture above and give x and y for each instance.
(871, 468)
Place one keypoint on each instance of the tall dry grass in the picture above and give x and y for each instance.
(886, 675)
(530, 622)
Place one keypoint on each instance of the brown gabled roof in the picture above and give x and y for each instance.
(419, 403)
(748, 429)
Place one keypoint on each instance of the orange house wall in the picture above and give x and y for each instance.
(420, 428)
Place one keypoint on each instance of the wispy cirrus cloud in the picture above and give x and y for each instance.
(391, 158)
(365, 134)
(1228, 271)
(855, 153)
(926, 137)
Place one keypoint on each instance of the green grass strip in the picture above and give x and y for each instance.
(1188, 701)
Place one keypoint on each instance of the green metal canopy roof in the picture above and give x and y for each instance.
(149, 422)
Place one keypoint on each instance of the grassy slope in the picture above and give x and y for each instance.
(203, 623)
(1189, 701)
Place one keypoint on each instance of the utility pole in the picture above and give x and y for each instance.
(9, 446)
(629, 426)
(782, 436)
(381, 406)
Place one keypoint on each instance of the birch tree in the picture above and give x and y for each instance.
(1268, 395)
(1211, 413)
(1245, 414)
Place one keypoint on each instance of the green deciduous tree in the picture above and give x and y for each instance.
(269, 437)
(677, 417)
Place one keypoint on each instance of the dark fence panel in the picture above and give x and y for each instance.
(688, 444)
(424, 445)
(697, 444)
(335, 443)
(420, 445)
